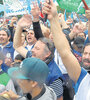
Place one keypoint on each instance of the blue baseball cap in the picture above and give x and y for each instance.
(32, 69)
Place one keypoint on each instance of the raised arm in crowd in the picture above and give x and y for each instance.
(77, 74)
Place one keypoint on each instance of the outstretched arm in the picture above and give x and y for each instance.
(35, 11)
(61, 42)
(23, 22)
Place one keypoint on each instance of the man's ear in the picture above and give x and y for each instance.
(9, 38)
(48, 54)
(34, 84)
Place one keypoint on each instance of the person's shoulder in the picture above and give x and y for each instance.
(10, 44)
(83, 91)
(83, 78)
(49, 94)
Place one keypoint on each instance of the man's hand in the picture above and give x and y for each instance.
(9, 94)
(69, 20)
(8, 61)
(88, 14)
(25, 21)
(78, 28)
(50, 9)
(61, 16)
(35, 11)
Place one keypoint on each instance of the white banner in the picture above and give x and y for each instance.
(15, 7)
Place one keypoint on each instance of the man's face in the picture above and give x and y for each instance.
(81, 35)
(86, 56)
(30, 37)
(3, 37)
(25, 85)
(39, 51)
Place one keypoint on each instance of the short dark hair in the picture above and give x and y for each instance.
(19, 57)
(6, 30)
(50, 46)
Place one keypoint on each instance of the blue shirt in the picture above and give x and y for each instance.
(8, 49)
(82, 87)
(54, 71)
(4, 67)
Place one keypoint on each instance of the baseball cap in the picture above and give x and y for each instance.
(32, 69)
(79, 41)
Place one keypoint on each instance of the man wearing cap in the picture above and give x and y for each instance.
(31, 76)
(44, 50)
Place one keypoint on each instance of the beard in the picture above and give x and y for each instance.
(87, 67)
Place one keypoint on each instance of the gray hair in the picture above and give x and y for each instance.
(48, 43)
(50, 47)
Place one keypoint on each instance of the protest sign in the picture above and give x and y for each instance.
(15, 7)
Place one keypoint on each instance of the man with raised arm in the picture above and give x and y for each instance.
(77, 74)
(44, 50)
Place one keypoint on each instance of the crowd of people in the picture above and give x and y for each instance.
(41, 62)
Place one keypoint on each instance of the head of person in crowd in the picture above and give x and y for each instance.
(17, 61)
(30, 37)
(5, 23)
(86, 57)
(43, 49)
(31, 75)
(81, 34)
(78, 44)
(13, 22)
(4, 36)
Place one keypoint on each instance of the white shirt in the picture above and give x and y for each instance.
(82, 86)
(59, 62)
